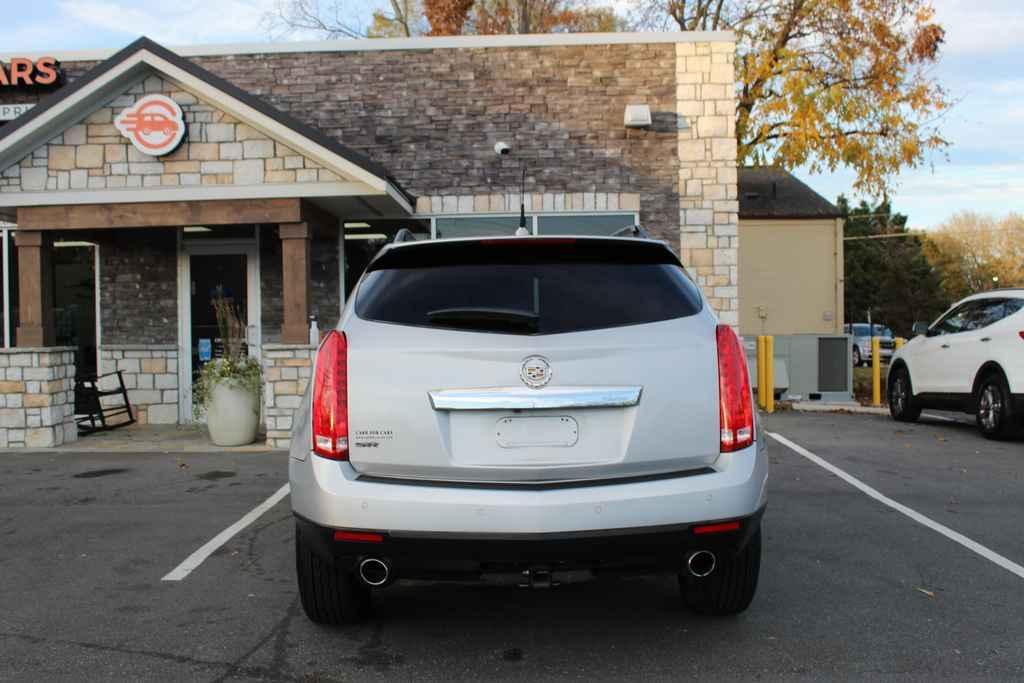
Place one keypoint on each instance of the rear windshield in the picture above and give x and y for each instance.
(520, 287)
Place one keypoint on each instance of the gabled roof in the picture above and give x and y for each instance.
(768, 192)
(64, 107)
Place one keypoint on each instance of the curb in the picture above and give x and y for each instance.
(814, 407)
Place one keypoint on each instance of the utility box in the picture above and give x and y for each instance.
(809, 367)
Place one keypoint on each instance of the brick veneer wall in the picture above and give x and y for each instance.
(37, 397)
(150, 373)
(431, 117)
(286, 372)
(218, 150)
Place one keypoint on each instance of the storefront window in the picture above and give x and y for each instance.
(594, 224)
(478, 226)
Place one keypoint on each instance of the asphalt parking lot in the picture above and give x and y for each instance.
(850, 586)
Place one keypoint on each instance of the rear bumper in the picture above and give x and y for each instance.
(458, 556)
(332, 494)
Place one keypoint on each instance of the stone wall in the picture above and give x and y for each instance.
(546, 201)
(138, 284)
(37, 397)
(150, 373)
(217, 150)
(286, 372)
(708, 206)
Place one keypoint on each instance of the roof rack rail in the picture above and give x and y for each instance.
(631, 231)
(404, 235)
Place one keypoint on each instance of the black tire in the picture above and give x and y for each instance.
(994, 408)
(902, 405)
(857, 360)
(730, 588)
(329, 595)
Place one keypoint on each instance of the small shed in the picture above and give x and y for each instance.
(791, 263)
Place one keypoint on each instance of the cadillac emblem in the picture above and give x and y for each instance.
(536, 371)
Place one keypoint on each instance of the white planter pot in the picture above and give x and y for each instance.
(232, 415)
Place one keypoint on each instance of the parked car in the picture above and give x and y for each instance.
(529, 409)
(970, 360)
(862, 334)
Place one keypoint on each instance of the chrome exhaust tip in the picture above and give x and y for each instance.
(701, 563)
(374, 571)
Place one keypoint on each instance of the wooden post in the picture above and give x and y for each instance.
(35, 289)
(295, 238)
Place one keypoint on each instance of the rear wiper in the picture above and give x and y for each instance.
(485, 318)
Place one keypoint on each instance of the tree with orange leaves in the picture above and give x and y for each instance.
(826, 83)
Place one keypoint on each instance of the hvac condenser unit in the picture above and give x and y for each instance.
(809, 367)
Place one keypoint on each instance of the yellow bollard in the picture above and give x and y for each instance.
(876, 371)
(898, 342)
(769, 374)
(760, 372)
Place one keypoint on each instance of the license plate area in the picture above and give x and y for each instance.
(525, 432)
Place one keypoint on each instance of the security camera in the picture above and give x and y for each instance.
(502, 148)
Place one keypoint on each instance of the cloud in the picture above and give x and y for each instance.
(177, 23)
(980, 28)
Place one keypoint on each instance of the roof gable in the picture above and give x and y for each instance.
(769, 192)
(145, 66)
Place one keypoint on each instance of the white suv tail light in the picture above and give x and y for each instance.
(736, 411)
(330, 398)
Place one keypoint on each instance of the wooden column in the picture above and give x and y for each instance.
(35, 289)
(295, 238)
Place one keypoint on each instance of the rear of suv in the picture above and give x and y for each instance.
(531, 410)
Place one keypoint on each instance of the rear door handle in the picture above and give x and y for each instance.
(986, 339)
(945, 346)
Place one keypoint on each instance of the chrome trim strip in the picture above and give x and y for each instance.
(516, 398)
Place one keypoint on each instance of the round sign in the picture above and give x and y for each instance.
(154, 124)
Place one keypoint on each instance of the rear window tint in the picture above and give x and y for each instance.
(528, 288)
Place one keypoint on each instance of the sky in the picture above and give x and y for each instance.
(982, 170)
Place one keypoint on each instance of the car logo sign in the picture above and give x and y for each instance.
(154, 124)
(536, 371)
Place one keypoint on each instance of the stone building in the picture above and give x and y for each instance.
(293, 162)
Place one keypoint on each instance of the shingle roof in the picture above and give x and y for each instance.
(768, 192)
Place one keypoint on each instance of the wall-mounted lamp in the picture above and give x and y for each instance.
(637, 116)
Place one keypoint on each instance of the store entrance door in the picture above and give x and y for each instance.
(212, 273)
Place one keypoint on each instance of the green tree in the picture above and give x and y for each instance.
(891, 277)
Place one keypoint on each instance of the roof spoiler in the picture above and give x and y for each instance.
(403, 235)
(631, 231)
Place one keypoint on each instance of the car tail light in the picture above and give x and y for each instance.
(358, 537)
(330, 398)
(735, 407)
(720, 528)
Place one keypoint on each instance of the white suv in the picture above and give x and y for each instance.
(971, 360)
(533, 409)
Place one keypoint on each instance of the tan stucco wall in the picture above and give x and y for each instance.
(791, 277)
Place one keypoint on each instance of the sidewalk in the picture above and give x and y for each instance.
(150, 439)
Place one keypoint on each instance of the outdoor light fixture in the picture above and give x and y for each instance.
(637, 116)
(367, 236)
(197, 228)
(357, 225)
(67, 244)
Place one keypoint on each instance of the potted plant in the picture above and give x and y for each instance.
(229, 387)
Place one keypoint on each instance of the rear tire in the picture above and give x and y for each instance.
(329, 595)
(994, 408)
(730, 588)
(902, 405)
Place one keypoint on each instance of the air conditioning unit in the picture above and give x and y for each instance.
(809, 367)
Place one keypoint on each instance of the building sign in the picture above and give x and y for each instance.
(21, 71)
(9, 112)
(154, 124)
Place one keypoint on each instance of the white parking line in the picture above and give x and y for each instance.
(973, 546)
(208, 548)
